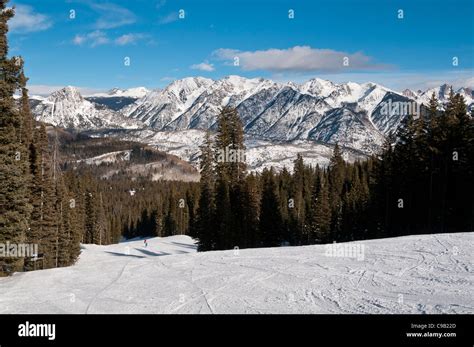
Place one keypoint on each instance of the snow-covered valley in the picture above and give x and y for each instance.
(412, 274)
(259, 154)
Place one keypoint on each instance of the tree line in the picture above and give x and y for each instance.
(109, 210)
(33, 196)
(420, 182)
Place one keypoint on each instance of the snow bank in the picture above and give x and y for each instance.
(413, 274)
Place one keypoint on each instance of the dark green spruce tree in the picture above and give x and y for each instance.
(320, 224)
(14, 202)
(336, 172)
(271, 222)
(205, 226)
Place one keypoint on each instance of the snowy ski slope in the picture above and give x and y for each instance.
(413, 274)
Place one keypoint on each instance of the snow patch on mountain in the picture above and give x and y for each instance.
(107, 158)
(67, 108)
(442, 94)
(259, 153)
(137, 93)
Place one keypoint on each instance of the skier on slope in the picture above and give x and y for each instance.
(145, 243)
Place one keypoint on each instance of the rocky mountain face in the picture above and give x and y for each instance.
(319, 111)
(68, 109)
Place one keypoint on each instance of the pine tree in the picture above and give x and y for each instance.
(26, 116)
(223, 215)
(336, 171)
(158, 222)
(270, 214)
(446, 144)
(251, 213)
(237, 161)
(284, 182)
(230, 169)
(73, 207)
(459, 194)
(229, 146)
(205, 226)
(64, 226)
(94, 231)
(298, 210)
(14, 205)
(433, 125)
(170, 224)
(320, 223)
(45, 217)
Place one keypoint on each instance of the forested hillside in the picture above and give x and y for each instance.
(420, 183)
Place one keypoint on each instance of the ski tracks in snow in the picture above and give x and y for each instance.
(104, 289)
(413, 274)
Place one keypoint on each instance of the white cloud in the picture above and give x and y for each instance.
(98, 38)
(298, 59)
(79, 39)
(93, 39)
(204, 66)
(26, 20)
(113, 16)
(127, 39)
(169, 18)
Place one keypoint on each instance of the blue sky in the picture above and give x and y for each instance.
(85, 43)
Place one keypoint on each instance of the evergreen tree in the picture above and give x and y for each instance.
(251, 213)
(230, 169)
(205, 226)
(320, 223)
(44, 217)
(270, 214)
(14, 205)
(298, 210)
(336, 171)
(64, 227)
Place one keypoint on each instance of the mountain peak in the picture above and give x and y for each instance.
(409, 93)
(137, 92)
(115, 91)
(189, 83)
(234, 78)
(318, 87)
(70, 93)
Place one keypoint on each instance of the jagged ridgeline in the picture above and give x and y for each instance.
(357, 116)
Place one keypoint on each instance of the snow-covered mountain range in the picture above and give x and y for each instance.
(67, 108)
(318, 111)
